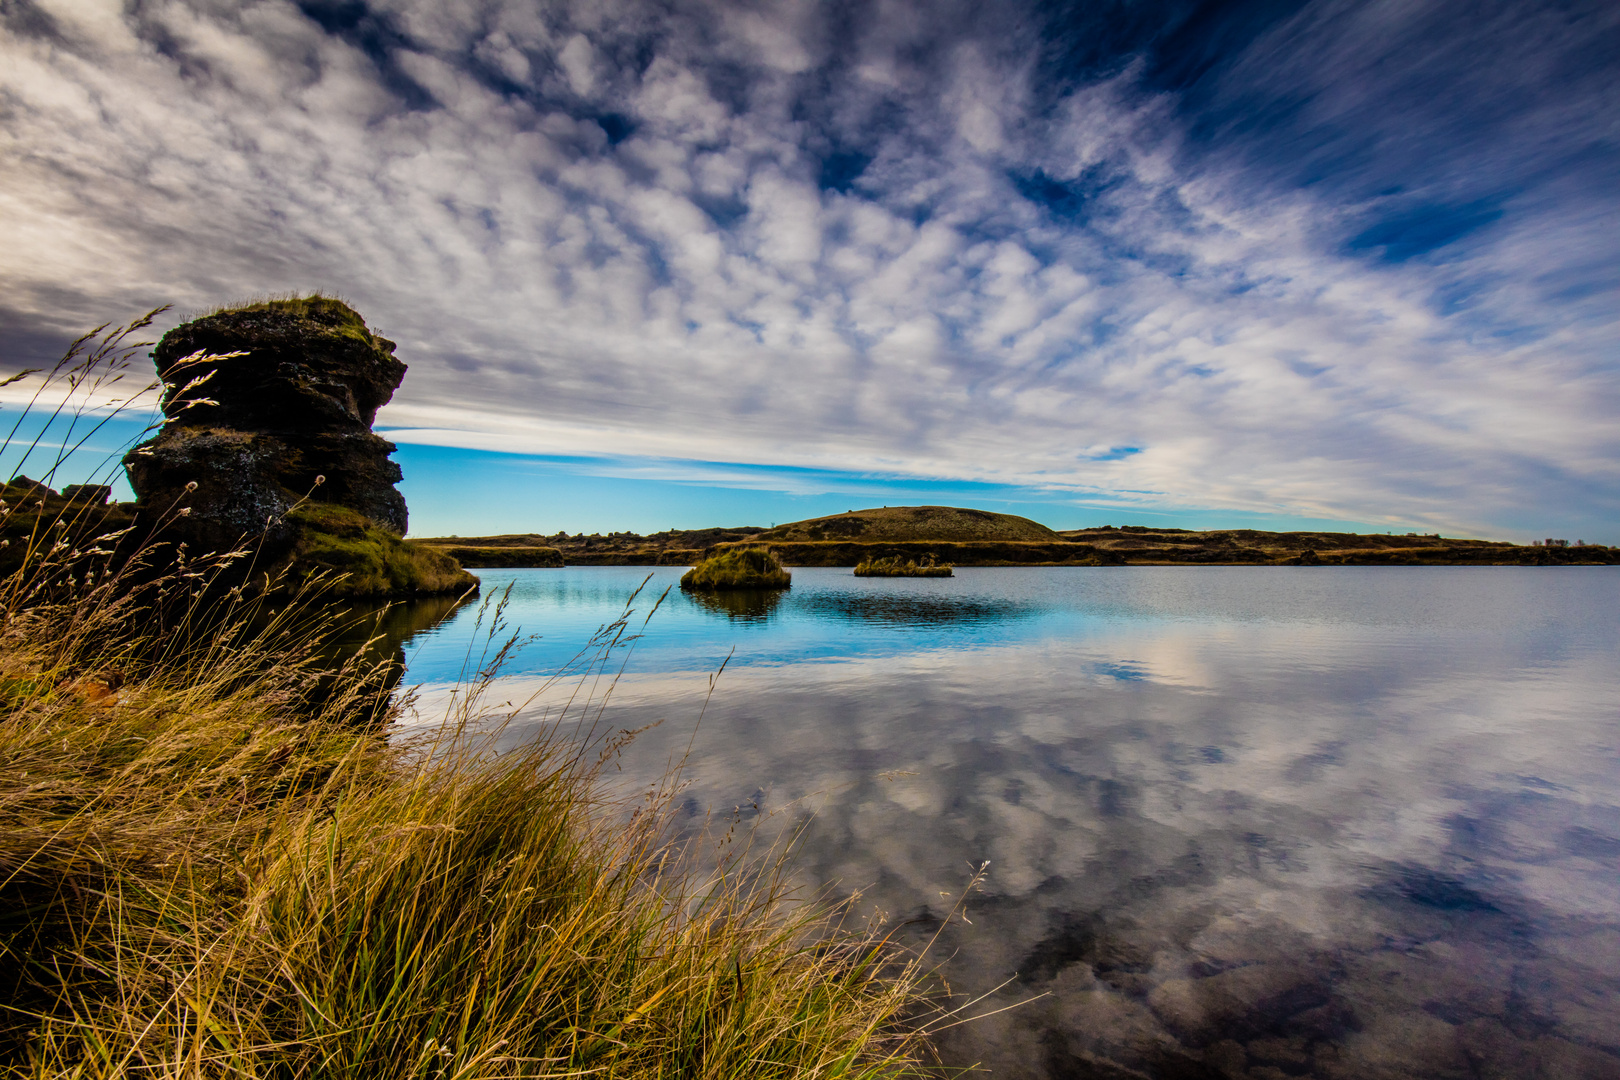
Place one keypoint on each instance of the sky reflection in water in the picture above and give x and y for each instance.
(1241, 821)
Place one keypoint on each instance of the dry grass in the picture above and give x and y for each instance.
(214, 863)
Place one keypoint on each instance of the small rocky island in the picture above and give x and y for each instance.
(895, 566)
(738, 568)
(267, 440)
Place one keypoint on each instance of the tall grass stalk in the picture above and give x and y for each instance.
(214, 862)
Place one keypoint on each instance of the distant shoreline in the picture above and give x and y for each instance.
(1127, 546)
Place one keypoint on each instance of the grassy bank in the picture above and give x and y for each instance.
(206, 872)
(219, 856)
(493, 556)
(1009, 553)
(916, 533)
(364, 560)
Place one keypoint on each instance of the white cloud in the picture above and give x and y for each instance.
(691, 292)
(578, 61)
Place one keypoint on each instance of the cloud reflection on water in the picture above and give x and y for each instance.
(1324, 843)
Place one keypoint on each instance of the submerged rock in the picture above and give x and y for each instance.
(269, 405)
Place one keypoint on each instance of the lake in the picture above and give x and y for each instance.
(1240, 821)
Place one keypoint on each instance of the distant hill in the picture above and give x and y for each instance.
(1144, 545)
(673, 547)
(907, 524)
(962, 537)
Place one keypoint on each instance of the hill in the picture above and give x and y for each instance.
(909, 524)
(1142, 545)
(963, 537)
(672, 547)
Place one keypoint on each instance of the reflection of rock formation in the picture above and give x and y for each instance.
(742, 605)
(254, 431)
(914, 609)
(380, 634)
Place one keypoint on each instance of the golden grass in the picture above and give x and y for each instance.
(216, 862)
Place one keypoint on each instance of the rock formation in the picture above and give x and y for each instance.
(738, 568)
(270, 404)
(254, 430)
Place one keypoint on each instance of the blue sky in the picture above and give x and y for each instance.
(677, 264)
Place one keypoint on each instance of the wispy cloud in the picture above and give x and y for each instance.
(1339, 261)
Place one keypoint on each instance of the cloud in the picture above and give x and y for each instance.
(1339, 261)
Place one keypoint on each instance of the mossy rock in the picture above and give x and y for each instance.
(33, 517)
(307, 365)
(739, 568)
(336, 318)
(367, 560)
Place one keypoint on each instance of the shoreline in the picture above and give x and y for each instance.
(1091, 547)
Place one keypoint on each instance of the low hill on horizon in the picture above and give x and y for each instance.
(900, 524)
(967, 537)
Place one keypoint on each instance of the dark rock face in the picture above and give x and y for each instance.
(254, 431)
(92, 494)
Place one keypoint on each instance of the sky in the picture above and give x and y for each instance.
(1272, 263)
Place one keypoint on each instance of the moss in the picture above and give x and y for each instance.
(895, 566)
(369, 560)
(738, 568)
(336, 318)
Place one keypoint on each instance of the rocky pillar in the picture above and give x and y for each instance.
(255, 429)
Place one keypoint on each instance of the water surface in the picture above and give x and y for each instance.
(1240, 821)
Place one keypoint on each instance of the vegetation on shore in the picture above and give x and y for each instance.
(988, 553)
(1137, 544)
(985, 539)
(364, 560)
(672, 547)
(739, 568)
(494, 555)
(220, 855)
(207, 870)
(895, 566)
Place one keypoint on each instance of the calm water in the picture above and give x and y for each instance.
(1241, 821)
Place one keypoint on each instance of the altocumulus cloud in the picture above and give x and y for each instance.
(1334, 260)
